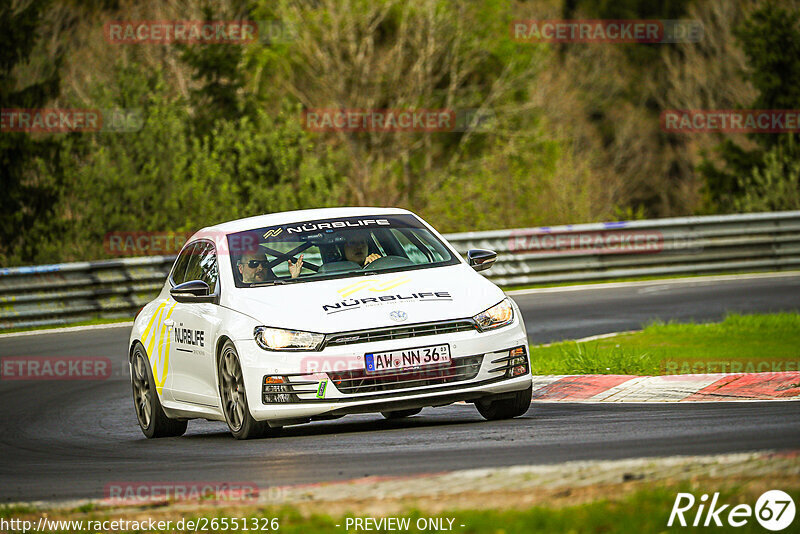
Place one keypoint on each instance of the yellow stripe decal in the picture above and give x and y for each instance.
(160, 383)
(150, 324)
(373, 286)
(157, 319)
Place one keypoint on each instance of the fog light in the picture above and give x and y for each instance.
(518, 362)
(277, 389)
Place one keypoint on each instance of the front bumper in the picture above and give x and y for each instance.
(326, 383)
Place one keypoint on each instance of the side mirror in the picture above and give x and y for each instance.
(480, 259)
(193, 291)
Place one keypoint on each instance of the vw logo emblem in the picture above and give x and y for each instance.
(398, 316)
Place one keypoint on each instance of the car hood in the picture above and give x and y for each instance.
(362, 302)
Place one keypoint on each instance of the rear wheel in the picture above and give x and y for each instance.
(152, 419)
(234, 399)
(505, 408)
(399, 414)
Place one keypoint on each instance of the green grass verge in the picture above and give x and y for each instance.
(741, 343)
(644, 510)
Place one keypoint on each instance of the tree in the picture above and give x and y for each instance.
(770, 38)
(220, 78)
(775, 185)
(28, 196)
(390, 55)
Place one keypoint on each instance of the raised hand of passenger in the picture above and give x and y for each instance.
(295, 268)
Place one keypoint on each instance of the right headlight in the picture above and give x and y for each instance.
(501, 314)
(280, 339)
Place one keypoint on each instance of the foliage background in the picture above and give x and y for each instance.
(574, 133)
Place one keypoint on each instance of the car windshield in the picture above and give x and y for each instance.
(334, 248)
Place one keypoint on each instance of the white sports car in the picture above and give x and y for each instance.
(291, 317)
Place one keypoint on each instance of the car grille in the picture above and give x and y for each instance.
(398, 332)
(358, 381)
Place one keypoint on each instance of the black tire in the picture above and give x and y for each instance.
(399, 414)
(152, 419)
(515, 406)
(233, 398)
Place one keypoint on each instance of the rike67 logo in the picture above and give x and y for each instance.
(774, 510)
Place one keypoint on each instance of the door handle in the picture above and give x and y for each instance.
(169, 322)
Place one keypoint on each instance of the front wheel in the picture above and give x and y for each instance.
(515, 406)
(152, 419)
(234, 400)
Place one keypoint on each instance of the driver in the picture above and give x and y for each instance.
(253, 267)
(356, 250)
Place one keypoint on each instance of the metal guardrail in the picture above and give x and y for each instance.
(70, 292)
(687, 245)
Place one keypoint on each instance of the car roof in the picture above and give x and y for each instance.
(286, 217)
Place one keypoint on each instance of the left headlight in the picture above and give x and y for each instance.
(280, 339)
(498, 315)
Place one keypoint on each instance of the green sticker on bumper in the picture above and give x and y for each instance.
(321, 389)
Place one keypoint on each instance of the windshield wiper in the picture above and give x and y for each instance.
(270, 283)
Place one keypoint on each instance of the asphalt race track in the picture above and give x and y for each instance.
(65, 440)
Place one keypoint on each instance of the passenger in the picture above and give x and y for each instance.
(295, 268)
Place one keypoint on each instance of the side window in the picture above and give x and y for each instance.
(179, 271)
(209, 267)
(203, 265)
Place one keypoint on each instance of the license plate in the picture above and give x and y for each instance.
(407, 358)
